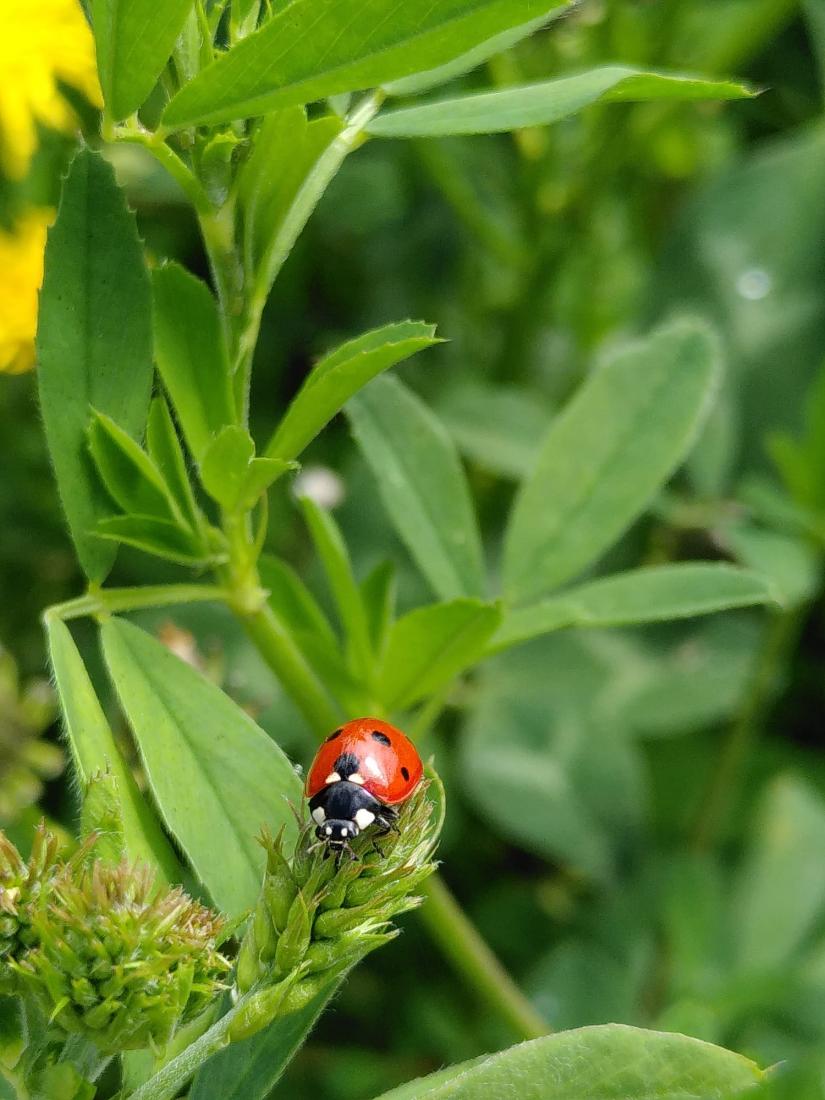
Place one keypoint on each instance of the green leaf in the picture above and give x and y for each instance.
(134, 40)
(94, 750)
(540, 104)
(790, 563)
(420, 82)
(160, 537)
(249, 1069)
(610, 1062)
(216, 776)
(654, 594)
(94, 342)
(317, 48)
(332, 550)
(291, 163)
(131, 478)
(291, 599)
(500, 428)
(378, 594)
(232, 475)
(339, 375)
(422, 485)
(430, 646)
(620, 438)
(784, 861)
(191, 355)
(166, 452)
(569, 786)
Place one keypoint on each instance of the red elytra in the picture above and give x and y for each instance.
(387, 760)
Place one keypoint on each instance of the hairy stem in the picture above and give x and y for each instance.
(108, 601)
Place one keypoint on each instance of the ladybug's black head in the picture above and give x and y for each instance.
(337, 832)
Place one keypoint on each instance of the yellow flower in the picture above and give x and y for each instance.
(21, 273)
(41, 42)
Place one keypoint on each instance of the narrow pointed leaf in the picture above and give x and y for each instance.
(128, 473)
(191, 355)
(618, 440)
(430, 646)
(167, 454)
(550, 101)
(94, 750)
(655, 594)
(610, 1062)
(317, 48)
(422, 485)
(94, 342)
(339, 375)
(216, 776)
(160, 537)
(134, 40)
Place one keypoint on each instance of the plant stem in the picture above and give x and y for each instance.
(472, 958)
(165, 155)
(107, 601)
(726, 776)
(276, 646)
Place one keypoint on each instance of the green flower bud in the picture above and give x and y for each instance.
(107, 953)
(294, 941)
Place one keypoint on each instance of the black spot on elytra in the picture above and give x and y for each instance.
(405, 773)
(332, 736)
(377, 735)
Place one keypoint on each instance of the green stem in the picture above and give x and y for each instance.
(167, 1081)
(472, 958)
(108, 601)
(165, 155)
(276, 646)
(726, 777)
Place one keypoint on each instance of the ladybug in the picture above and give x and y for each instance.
(360, 774)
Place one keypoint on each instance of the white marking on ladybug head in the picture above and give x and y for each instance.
(328, 830)
(356, 777)
(333, 777)
(363, 818)
(371, 764)
(318, 815)
(345, 831)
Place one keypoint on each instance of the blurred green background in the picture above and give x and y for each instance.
(637, 818)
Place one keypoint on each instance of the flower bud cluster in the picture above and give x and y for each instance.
(106, 952)
(320, 913)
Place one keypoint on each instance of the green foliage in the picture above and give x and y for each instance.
(106, 366)
(422, 486)
(313, 51)
(574, 499)
(600, 1063)
(191, 355)
(134, 42)
(216, 777)
(539, 104)
(606, 454)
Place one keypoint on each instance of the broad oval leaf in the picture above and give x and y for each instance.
(655, 594)
(134, 40)
(619, 439)
(216, 776)
(317, 48)
(422, 485)
(94, 750)
(191, 355)
(430, 646)
(94, 342)
(609, 1062)
(340, 375)
(549, 101)
(784, 860)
